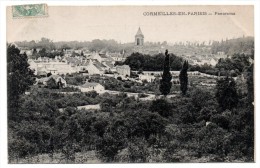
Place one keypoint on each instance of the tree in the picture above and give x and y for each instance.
(34, 54)
(114, 139)
(19, 77)
(184, 78)
(49, 74)
(165, 83)
(51, 84)
(226, 93)
(250, 84)
(43, 52)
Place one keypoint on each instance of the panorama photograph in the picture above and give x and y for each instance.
(130, 84)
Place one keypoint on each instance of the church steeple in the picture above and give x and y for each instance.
(139, 38)
(139, 32)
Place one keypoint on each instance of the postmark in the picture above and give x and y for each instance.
(30, 10)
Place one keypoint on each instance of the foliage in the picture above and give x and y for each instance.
(232, 46)
(162, 106)
(250, 84)
(76, 80)
(165, 82)
(184, 78)
(210, 141)
(19, 78)
(138, 150)
(138, 62)
(51, 84)
(132, 131)
(114, 139)
(234, 65)
(226, 93)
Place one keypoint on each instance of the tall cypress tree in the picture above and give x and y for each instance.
(184, 78)
(165, 82)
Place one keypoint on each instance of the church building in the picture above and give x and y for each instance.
(139, 38)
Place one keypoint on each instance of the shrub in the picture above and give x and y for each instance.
(170, 152)
(138, 150)
(162, 106)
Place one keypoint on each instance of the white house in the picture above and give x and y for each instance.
(148, 78)
(87, 87)
(123, 70)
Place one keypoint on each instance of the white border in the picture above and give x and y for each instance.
(3, 111)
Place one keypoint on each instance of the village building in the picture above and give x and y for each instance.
(68, 52)
(50, 66)
(118, 56)
(139, 38)
(91, 67)
(87, 87)
(28, 52)
(123, 70)
(147, 78)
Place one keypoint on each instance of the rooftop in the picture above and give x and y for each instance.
(123, 66)
(88, 84)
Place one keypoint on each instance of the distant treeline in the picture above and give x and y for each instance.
(230, 47)
(94, 45)
(238, 45)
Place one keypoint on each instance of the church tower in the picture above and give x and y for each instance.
(139, 38)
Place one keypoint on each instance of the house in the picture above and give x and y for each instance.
(28, 52)
(87, 87)
(96, 56)
(42, 81)
(148, 78)
(51, 70)
(94, 67)
(123, 70)
(72, 61)
(220, 53)
(52, 67)
(68, 52)
(117, 57)
(32, 64)
(109, 65)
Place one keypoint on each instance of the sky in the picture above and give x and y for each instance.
(68, 23)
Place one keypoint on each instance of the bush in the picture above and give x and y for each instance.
(114, 139)
(162, 106)
(220, 120)
(210, 140)
(92, 94)
(138, 150)
(170, 152)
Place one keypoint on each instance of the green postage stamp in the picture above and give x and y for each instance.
(32, 10)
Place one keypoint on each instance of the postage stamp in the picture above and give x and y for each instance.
(31, 10)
